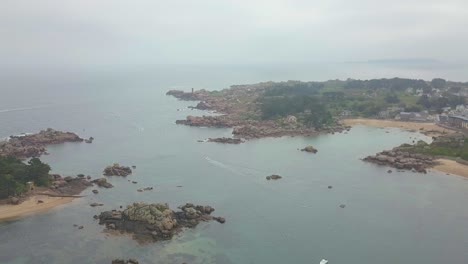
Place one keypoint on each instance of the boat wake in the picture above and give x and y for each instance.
(222, 166)
(23, 108)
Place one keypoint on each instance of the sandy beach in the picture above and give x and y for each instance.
(31, 206)
(452, 167)
(429, 129)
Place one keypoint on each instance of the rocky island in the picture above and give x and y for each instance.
(27, 146)
(117, 170)
(310, 149)
(155, 222)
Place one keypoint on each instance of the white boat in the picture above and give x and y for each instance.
(324, 261)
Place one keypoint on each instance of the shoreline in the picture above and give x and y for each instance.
(451, 167)
(428, 129)
(31, 206)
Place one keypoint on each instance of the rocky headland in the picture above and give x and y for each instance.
(240, 108)
(27, 146)
(155, 222)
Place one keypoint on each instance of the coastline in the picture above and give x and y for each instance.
(31, 207)
(429, 129)
(452, 167)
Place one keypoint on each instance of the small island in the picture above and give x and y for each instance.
(155, 222)
(117, 170)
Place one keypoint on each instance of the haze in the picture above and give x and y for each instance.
(115, 32)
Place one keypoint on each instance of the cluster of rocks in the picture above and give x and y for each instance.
(226, 140)
(145, 189)
(155, 222)
(102, 182)
(123, 261)
(68, 185)
(273, 177)
(403, 160)
(310, 149)
(117, 170)
(27, 146)
(60, 186)
(89, 140)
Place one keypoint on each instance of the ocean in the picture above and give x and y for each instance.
(402, 217)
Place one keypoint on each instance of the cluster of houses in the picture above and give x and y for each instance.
(457, 118)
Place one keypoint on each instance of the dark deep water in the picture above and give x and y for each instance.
(388, 219)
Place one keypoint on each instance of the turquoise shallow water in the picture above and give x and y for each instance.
(389, 218)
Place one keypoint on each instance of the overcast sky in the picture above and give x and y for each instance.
(118, 32)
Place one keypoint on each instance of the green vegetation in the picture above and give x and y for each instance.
(309, 109)
(447, 146)
(14, 174)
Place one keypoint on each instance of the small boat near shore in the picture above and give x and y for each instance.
(324, 261)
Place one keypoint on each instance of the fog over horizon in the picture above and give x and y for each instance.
(88, 34)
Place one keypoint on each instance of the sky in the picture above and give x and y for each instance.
(86, 33)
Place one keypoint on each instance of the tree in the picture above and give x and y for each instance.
(38, 172)
(438, 83)
(424, 101)
(392, 98)
(14, 174)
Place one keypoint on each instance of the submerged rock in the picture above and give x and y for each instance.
(273, 177)
(155, 222)
(310, 149)
(122, 261)
(102, 182)
(226, 140)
